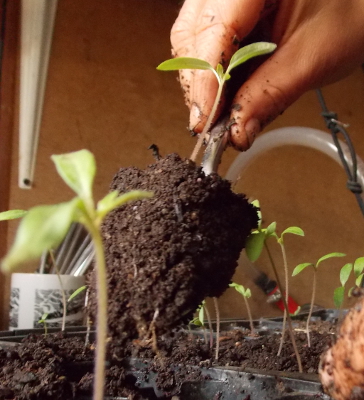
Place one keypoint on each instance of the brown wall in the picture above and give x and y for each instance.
(104, 94)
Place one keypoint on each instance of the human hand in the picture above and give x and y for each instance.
(319, 42)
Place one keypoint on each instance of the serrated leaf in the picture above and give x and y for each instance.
(43, 228)
(330, 255)
(300, 267)
(358, 280)
(358, 266)
(295, 230)
(78, 170)
(345, 273)
(339, 296)
(254, 245)
(250, 51)
(271, 229)
(12, 214)
(76, 293)
(177, 63)
(110, 202)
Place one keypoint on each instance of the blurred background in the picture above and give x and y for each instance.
(103, 93)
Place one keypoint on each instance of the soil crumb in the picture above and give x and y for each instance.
(166, 254)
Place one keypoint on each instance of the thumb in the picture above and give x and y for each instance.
(276, 84)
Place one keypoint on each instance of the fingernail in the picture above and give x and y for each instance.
(195, 117)
(252, 128)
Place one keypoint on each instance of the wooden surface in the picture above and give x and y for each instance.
(104, 94)
(7, 108)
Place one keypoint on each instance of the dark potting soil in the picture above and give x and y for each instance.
(57, 367)
(166, 254)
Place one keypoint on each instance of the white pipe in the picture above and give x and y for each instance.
(296, 135)
(37, 22)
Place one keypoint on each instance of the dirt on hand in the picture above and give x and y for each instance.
(166, 254)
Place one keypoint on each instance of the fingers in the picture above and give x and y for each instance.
(303, 60)
(210, 30)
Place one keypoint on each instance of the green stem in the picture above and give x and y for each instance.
(101, 319)
(252, 330)
(217, 312)
(64, 301)
(311, 308)
(290, 327)
(208, 124)
(284, 256)
(210, 325)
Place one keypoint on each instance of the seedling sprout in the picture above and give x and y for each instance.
(246, 293)
(242, 55)
(44, 322)
(44, 227)
(299, 268)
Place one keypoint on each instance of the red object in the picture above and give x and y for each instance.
(275, 297)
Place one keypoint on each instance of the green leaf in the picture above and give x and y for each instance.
(339, 296)
(112, 200)
(76, 292)
(254, 245)
(271, 229)
(256, 204)
(358, 280)
(12, 214)
(220, 71)
(177, 63)
(345, 273)
(43, 228)
(358, 266)
(78, 170)
(201, 315)
(239, 288)
(300, 267)
(330, 255)
(43, 319)
(250, 51)
(196, 322)
(248, 293)
(295, 230)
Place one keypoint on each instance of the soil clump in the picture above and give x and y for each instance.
(165, 255)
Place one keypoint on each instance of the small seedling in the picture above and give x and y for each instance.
(299, 268)
(44, 322)
(271, 232)
(339, 292)
(246, 293)
(200, 319)
(76, 293)
(242, 55)
(44, 227)
(254, 247)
